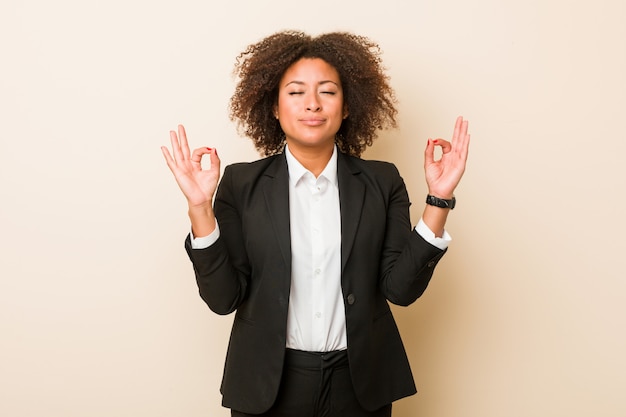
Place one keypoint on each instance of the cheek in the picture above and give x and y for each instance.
(284, 108)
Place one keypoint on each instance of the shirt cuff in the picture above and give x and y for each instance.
(205, 241)
(428, 235)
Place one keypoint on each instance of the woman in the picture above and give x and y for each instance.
(308, 244)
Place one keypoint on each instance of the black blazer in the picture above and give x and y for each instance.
(248, 271)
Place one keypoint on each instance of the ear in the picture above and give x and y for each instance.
(346, 113)
(275, 111)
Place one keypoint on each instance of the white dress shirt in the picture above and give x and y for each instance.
(316, 320)
(316, 315)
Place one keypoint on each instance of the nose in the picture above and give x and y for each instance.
(314, 103)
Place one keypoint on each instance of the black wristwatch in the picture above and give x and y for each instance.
(440, 202)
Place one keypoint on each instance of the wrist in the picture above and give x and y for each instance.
(202, 220)
(201, 214)
(444, 203)
(200, 209)
(441, 194)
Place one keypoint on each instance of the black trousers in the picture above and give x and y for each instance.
(317, 385)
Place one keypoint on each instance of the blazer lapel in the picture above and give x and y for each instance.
(276, 191)
(351, 195)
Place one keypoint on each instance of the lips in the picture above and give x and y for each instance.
(312, 122)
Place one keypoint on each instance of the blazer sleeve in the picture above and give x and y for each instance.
(222, 275)
(408, 260)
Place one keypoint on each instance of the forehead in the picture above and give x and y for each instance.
(310, 70)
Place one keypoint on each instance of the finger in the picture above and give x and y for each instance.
(196, 157)
(457, 128)
(176, 148)
(168, 158)
(429, 153)
(444, 144)
(462, 130)
(183, 141)
(465, 147)
(215, 160)
(463, 142)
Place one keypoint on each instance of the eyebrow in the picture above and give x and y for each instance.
(303, 83)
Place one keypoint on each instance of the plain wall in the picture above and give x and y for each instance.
(99, 311)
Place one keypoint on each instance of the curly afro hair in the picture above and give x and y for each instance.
(368, 96)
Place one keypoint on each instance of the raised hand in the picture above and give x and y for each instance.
(443, 175)
(197, 184)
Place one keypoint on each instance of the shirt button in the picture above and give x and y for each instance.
(351, 299)
(318, 271)
(318, 315)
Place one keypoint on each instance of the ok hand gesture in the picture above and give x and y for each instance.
(443, 175)
(197, 184)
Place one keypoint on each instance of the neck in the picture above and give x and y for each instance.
(313, 159)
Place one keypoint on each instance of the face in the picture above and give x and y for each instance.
(310, 105)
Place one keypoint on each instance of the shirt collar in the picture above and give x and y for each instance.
(296, 170)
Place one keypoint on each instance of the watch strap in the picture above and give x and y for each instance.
(440, 202)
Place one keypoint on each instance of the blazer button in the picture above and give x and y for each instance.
(351, 299)
(431, 264)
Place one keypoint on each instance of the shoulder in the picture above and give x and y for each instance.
(375, 169)
(247, 173)
(379, 176)
(254, 168)
(242, 178)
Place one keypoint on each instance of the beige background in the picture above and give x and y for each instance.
(99, 313)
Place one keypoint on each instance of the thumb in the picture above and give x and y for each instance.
(429, 153)
(215, 160)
